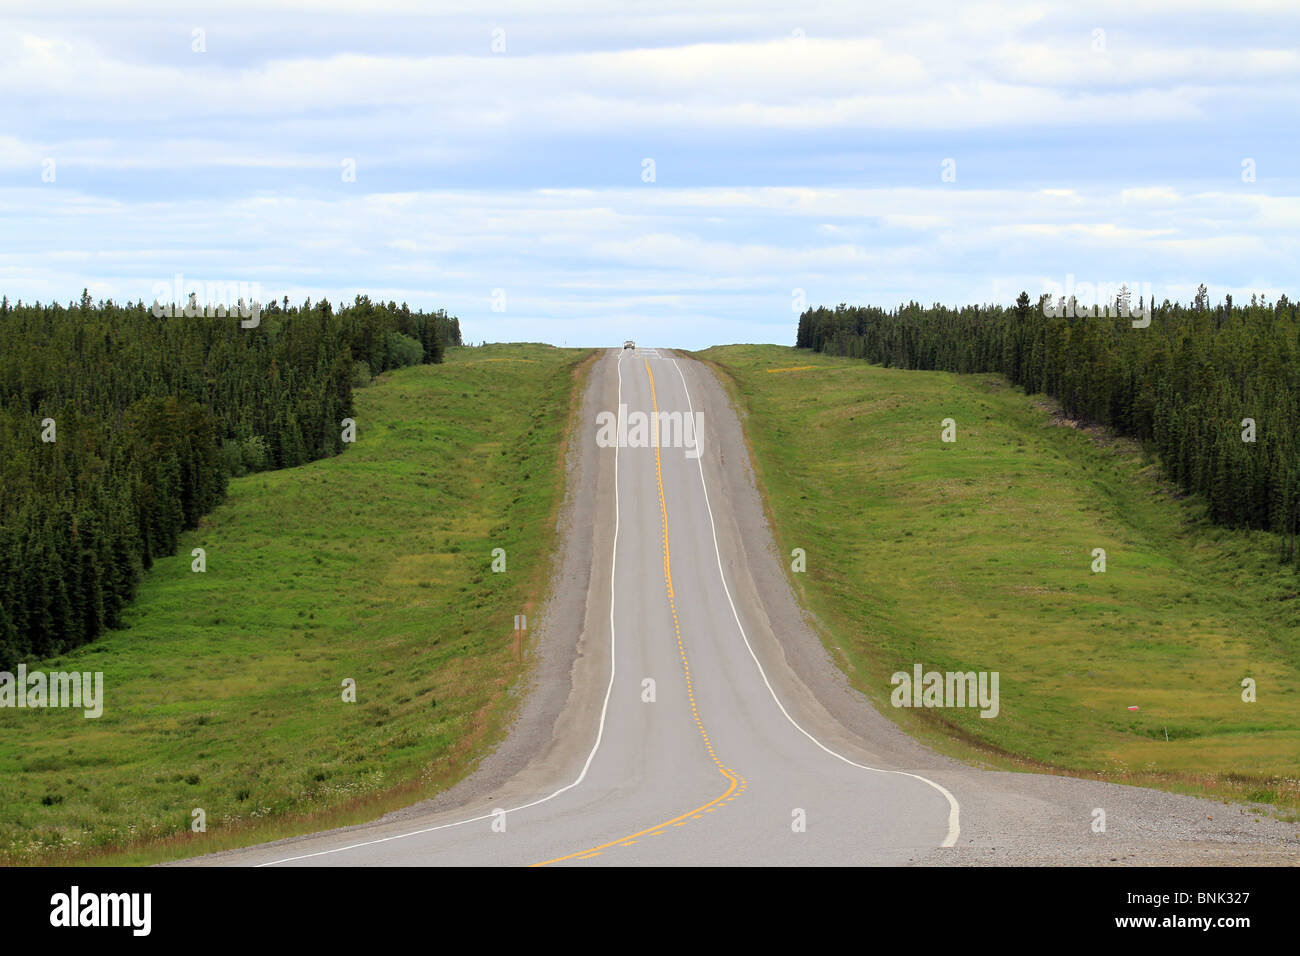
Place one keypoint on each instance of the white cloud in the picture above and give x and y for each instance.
(571, 259)
(900, 81)
(1098, 163)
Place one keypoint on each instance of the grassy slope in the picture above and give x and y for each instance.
(224, 691)
(976, 555)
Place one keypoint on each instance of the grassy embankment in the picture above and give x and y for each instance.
(976, 555)
(223, 693)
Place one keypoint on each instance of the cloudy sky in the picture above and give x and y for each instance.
(682, 173)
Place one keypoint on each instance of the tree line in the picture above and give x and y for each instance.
(1215, 390)
(119, 430)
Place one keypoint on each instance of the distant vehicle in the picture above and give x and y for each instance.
(629, 344)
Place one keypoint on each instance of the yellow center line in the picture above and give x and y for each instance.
(737, 782)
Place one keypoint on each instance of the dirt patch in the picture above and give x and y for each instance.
(1100, 434)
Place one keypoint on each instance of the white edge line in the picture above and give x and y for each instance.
(600, 731)
(954, 828)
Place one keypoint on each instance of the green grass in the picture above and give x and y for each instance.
(223, 693)
(976, 555)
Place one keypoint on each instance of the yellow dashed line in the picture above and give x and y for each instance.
(737, 782)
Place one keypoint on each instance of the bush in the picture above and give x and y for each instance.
(360, 374)
(232, 458)
(257, 456)
(400, 350)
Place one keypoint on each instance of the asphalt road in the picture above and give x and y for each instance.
(753, 750)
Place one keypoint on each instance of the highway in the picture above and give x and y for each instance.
(695, 720)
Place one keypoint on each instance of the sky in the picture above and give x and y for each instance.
(680, 173)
